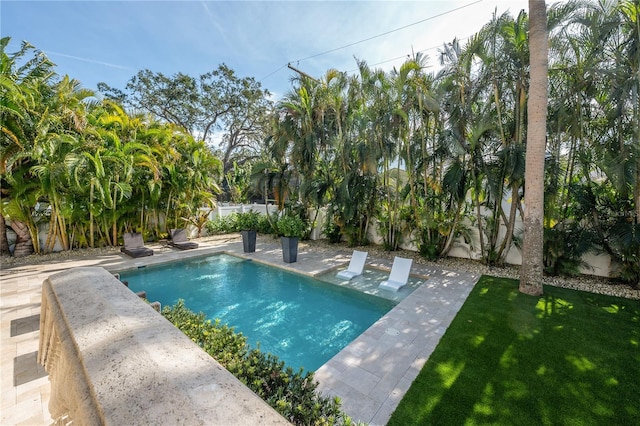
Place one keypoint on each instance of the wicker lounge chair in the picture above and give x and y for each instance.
(179, 240)
(134, 245)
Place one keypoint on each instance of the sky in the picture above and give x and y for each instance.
(110, 41)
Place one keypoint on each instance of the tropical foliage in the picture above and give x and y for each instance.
(87, 167)
(292, 393)
(428, 158)
(215, 104)
(438, 158)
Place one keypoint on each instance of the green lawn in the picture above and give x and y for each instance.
(566, 358)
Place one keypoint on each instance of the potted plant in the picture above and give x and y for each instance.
(248, 223)
(290, 229)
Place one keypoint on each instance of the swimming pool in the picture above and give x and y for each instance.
(300, 319)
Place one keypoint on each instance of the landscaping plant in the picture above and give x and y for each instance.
(292, 393)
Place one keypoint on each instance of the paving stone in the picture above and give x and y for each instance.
(25, 325)
(353, 375)
(26, 368)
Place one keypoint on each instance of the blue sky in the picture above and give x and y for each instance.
(110, 41)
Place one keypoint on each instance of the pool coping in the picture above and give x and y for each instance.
(370, 375)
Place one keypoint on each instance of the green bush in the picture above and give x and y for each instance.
(233, 223)
(292, 394)
(264, 225)
(248, 221)
(222, 225)
(291, 226)
(332, 231)
(564, 248)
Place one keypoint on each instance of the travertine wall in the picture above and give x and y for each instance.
(112, 359)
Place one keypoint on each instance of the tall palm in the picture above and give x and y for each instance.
(361, 157)
(88, 174)
(504, 53)
(63, 122)
(531, 271)
(52, 173)
(26, 76)
(630, 11)
(202, 170)
(469, 131)
(119, 132)
(26, 79)
(618, 149)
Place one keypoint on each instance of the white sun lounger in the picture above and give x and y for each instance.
(399, 274)
(356, 265)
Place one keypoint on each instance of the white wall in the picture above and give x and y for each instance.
(226, 209)
(600, 264)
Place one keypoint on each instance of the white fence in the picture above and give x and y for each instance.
(226, 209)
(599, 264)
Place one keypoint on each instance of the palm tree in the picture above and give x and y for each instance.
(504, 52)
(20, 209)
(4, 244)
(25, 89)
(531, 272)
(359, 157)
(469, 133)
(88, 174)
(52, 173)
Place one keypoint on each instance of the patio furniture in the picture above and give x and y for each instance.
(179, 240)
(399, 274)
(134, 245)
(356, 265)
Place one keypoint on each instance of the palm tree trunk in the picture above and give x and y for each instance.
(62, 230)
(114, 215)
(531, 272)
(91, 231)
(4, 243)
(49, 242)
(506, 242)
(452, 231)
(637, 192)
(24, 243)
(476, 200)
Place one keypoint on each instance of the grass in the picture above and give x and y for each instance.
(565, 358)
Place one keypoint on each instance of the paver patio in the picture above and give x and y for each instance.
(370, 375)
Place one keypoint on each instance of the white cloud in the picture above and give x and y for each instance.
(91, 61)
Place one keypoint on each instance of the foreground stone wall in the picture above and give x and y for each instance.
(112, 359)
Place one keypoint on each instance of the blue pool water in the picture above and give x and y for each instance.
(301, 320)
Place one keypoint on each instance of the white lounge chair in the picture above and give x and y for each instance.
(356, 265)
(399, 274)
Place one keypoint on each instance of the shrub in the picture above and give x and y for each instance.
(248, 221)
(222, 225)
(332, 231)
(264, 225)
(291, 226)
(292, 394)
(564, 247)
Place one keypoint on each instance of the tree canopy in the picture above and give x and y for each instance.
(226, 111)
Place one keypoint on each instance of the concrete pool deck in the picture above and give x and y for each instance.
(370, 375)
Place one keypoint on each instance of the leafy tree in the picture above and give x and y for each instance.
(217, 103)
